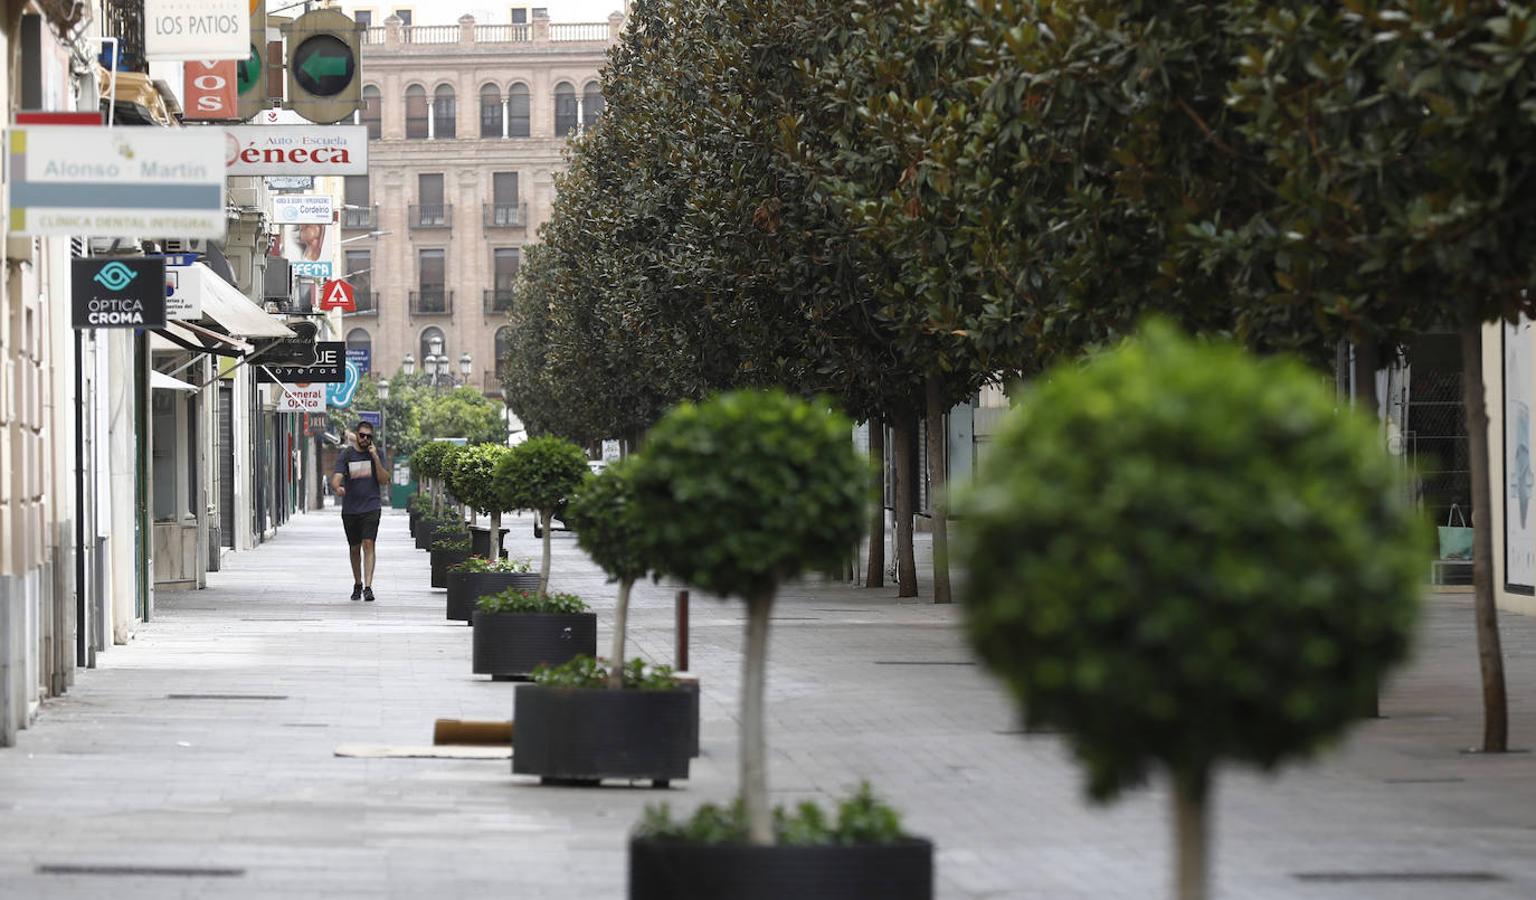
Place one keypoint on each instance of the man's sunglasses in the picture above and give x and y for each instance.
(365, 437)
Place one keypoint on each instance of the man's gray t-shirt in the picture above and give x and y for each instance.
(361, 480)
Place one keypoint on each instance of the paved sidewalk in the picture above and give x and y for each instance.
(123, 772)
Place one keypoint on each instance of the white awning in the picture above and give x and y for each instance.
(159, 381)
(226, 306)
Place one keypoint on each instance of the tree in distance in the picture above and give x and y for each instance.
(538, 475)
(1182, 555)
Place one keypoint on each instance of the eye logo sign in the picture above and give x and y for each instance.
(115, 276)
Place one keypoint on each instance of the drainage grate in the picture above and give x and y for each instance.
(1401, 877)
(143, 871)
(226, 696)
(924, 662)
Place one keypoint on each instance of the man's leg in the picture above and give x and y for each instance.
(357, 560)
(368, 556)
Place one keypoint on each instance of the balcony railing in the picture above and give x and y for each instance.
(574, 31)
(429, 34)
(506, 215)
(431, 302)
(432, 216)
(374, 35)
(503, 34)
(493, 381)
(365, 219)
(367, 302)
(498, 301)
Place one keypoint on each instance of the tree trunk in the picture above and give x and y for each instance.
(901, 458)
(1191, 795)
(1367, 361)
(874, 574)
(547, 516)
(495, 535)
(754, 741)
(620, 622)
(1490, 654)
(938, 468)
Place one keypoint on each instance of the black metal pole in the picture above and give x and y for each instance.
(682, 631)
(80, 599)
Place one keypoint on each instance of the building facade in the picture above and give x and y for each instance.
(469, 123)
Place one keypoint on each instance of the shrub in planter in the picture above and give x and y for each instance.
(447, 549)
(448, 462)
(478, 577)
(427, 466)
(473, 481)
(739, 493)
(434, 527)
(1181, 555)
(860, 853)
(538, 475)
(516, 631)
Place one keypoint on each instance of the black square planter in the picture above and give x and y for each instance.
(674, 870)
(588, 734)
(511, 645)
(480, 541)
(464, 588)
(441, 560)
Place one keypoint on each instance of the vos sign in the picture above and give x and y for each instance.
(211, 89)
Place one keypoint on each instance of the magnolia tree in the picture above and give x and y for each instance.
(427, 465)
(1181, 555)
(740, 493)
(473, 481)
(538, 475)
(608, 528)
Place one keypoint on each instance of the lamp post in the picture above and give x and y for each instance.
(409, 364)
(383, 413)
(466, 365)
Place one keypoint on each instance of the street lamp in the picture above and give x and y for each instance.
(383, 411)
(466, 365)
(435, 345)
(409, 364)
(431, 367)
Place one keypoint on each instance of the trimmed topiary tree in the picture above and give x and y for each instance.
(446, 465)
(427, 465)
(1181, 555)
(740, 493)
(539, 474)
(608, 528)
(473, 480)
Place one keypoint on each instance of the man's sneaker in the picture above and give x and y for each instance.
(368, 595)
(357, 592)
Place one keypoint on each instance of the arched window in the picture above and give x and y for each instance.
(432, 337)
(360, 339)
(416, 115)
(503, 349)
(490, 111)
(444, 114)
(372, 113)
(518, 116)
(591, 104)
(565, 109)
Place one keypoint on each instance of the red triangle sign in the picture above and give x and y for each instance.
(337, 294)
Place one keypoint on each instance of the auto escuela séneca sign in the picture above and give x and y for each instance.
(118, 293)
(296, 149)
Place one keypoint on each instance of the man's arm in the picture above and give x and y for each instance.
(337, 474)
(379, 472)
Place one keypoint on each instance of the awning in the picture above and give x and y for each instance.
(161, 382)
(226, 306)
(179, 335)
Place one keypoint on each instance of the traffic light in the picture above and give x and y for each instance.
(251, 80)
(324, 65)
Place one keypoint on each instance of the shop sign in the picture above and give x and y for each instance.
(208, 87)
(362, 357)
(296, 149)
(302, 398)
(330, 367)
(184, 293)
(197, 29)
(291, 183)
(304, 268)
(118, 293)
(340, 394)
(303, 209)
(338, 295)
(116, 182)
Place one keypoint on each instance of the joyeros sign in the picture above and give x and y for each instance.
(296, 150)
(118, 293)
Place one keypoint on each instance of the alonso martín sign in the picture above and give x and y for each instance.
(119, 293)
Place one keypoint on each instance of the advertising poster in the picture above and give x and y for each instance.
(1519, 480)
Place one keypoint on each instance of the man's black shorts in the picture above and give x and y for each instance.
(361, 527)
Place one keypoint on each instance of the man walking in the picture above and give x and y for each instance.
(356, 480)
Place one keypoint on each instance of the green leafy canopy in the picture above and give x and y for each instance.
(608, 526)
(540, 473)
(472, 478)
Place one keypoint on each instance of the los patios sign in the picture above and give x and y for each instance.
(296, 150)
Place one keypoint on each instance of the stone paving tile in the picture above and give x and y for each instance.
(117, 773)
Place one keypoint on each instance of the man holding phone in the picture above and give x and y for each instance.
(356, 480)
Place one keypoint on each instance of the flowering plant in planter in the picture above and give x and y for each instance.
(479, 565)
(452, 544)
(515, 601)
(860, 819)
(596, 672)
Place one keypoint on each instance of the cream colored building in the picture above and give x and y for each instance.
(469, 123)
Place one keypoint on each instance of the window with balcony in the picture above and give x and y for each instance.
(591, 104)
(444, 113)
(518, 116)
(503, 350)
(565, 109)
(432, 281)
(417, 113)
(372, 113)
(358, 270)
(504, 274)
(491, 120)
(357, 211)
(504, 210)
(430, 211)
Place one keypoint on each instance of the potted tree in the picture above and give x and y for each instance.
(472, 481)
(1180, 556)
(427, 464)
(448, 549)
(516, 631)
(594, 719)
(477, 577)
(742, 492)
(538, 475)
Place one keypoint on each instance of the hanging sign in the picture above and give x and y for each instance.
(197, 29)
(362, 357)
(296, 149)
(303, 209)
(308, 398)
(340, 394)
(330, 367)
(118, 293)
(208, 87)
(290, 182)
(337, 295)
(305, 268)
(184, 293)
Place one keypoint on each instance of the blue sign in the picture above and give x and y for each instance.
(362, 357)
(307, 269)
(372, 417)
(339, 395)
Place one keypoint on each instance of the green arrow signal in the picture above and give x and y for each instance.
(249, 72)
(317, 66)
